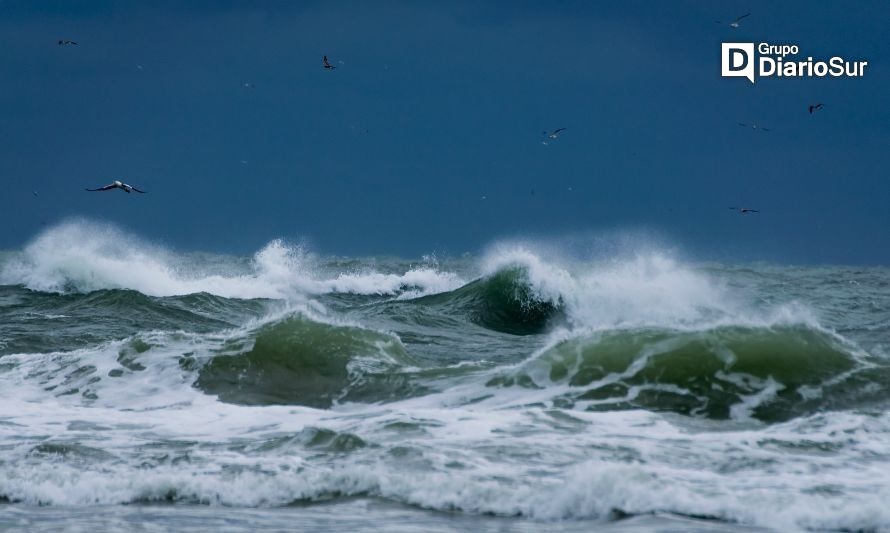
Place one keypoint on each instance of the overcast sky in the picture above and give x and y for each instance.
(427, 135)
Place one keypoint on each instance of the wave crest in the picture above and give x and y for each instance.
(83, 256)
(504, 301)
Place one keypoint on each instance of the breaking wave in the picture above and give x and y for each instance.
(767, 373)
(522, 384)
(303, 362)
(83, 256)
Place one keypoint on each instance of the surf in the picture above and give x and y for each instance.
(83, 256)
(534, 380)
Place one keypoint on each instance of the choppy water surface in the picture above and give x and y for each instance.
(633, 392)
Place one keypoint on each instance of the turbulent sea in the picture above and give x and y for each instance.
(526, 388)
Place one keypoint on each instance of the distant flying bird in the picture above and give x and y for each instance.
(249, 86)
(552, 135)
(815, 107)
(35, 193)
(327, 64)
(753, 126)
(738, 21)
(66, 42)
(735, 23)
(744, 210)
(117, 185)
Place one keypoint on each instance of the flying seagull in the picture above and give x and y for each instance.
(744, 210)
(117, 185)
(753, 126)
(815, 107)
(66, 42)
(552, 135)
(735, 23)
(249, 86)
(327, 64)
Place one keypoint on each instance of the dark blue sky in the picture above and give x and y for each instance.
(454, 96)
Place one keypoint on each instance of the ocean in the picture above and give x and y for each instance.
(528, 387)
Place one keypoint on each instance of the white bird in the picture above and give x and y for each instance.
(735, 23)
(552, 135)
(738, 22)
(117, 185)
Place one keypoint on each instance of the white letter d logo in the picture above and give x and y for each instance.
(738, 60)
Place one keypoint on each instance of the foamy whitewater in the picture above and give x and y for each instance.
(527, 389)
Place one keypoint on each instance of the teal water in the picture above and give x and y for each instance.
(525, 388)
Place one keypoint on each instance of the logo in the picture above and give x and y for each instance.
(738, 60)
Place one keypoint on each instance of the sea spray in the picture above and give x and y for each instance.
(84, 256)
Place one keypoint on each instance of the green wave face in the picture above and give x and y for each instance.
(770, 374)
(46, 322)
(301, 362)
(503, 302)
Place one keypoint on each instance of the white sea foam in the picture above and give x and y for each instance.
(413, 283)
(475, 460)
